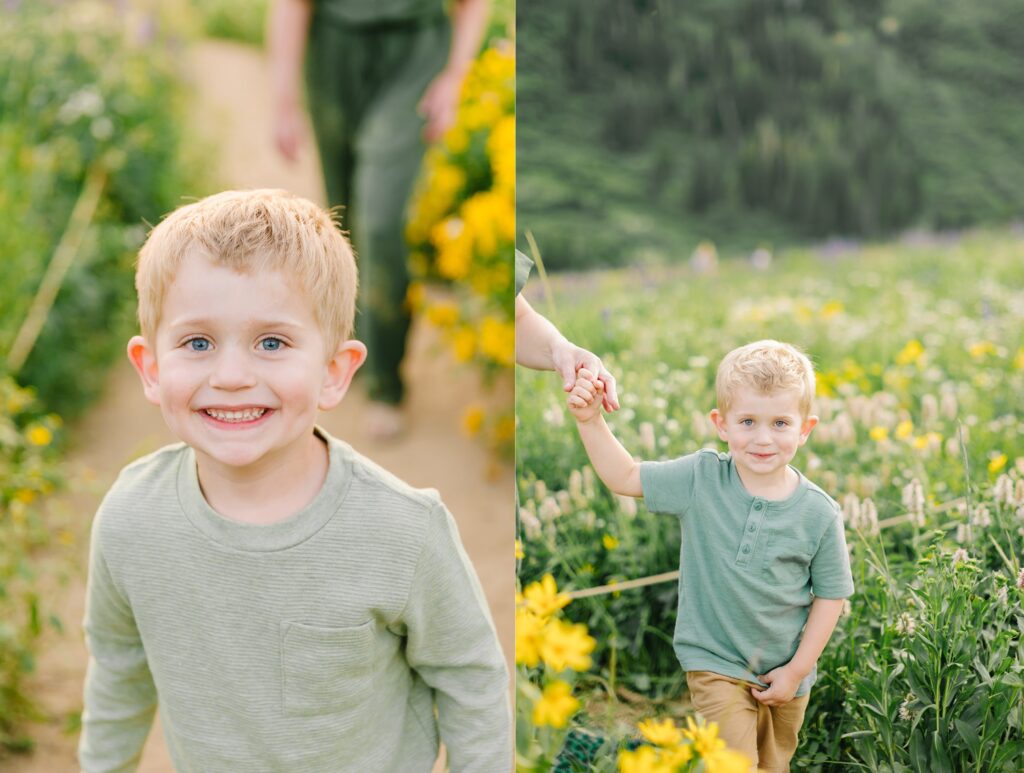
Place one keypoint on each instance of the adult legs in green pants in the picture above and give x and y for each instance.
(364, 84)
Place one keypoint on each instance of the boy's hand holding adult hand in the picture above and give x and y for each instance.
(783, 683)
(586, 396)
(569, 359)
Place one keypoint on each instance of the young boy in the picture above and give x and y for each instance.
(763, 564)
(290, 605)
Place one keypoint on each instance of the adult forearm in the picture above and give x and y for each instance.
(469, 19)
(821, 622)
(287, 27)
(611, 461)
(536, 338)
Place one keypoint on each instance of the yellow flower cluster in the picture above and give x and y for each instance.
(542, 637)
(462, 229)
(673, 749)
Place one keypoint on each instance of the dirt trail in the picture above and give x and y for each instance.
(232, 109)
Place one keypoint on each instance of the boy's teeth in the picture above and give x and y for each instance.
(247, 415)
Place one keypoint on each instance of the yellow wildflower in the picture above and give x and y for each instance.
(609, 542)
(528, 632)
(996, 463)
(542, 597)
(904, 429)
(663, 733)
(566, 645)
(646, 759)
(464, 343)
(920, 442)
(415, 295)
(830, 309)
(979, 349)
(25, 496)
(726, 761)
(472, 420)
(444, 314)
(520, 555)
(1018, 360)
(498, 340)
(910, 353)
(38, 435)
(704, 736)
(555, 706)
(878, 434)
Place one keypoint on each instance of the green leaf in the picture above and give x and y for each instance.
(970, 735)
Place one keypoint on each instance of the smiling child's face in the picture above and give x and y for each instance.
(763, 431)
(239, 366)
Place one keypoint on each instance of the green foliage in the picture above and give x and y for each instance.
(75, 95)
(825, 118)
(912, 345)
(28, 472)
(240, 20)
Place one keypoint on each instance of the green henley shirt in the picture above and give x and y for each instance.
(352, 636)
(748, 565)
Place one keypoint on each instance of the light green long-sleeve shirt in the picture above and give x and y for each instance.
(349, 637)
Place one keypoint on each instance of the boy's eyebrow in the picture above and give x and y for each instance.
(210, 322)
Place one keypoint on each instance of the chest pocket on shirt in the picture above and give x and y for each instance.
(325, 669)
(787, 559)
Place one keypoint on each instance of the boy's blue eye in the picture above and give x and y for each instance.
(198, 344)
(747, 422)
(271, 344)
(782, 423)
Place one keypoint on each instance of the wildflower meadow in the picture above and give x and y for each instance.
(919, 351)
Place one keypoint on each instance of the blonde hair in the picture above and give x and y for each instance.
(768, 367)
(251, 231)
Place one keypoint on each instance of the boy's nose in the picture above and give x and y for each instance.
(232, 370)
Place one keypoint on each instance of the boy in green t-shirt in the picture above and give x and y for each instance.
(763, 563)
(288, 604)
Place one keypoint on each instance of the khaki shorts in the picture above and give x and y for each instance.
(766, 734)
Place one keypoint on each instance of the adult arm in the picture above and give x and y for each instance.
(540, 346)
(287, 28)
(441, 99)
(451, 643)
(120, 697)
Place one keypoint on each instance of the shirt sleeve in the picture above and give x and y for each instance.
(120, 697)
(523, 266)
(668, 486)
(452, 644)
(831, 577)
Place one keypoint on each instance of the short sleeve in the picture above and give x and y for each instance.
(523, 266)
(668, 486)
(830, 568)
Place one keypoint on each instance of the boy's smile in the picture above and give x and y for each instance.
(239, 367)
(764, 432)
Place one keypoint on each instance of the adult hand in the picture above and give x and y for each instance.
(569, 358)
(782, 682)
(289, 131)
(439, 104)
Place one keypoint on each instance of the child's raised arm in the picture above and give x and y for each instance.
(612, 463)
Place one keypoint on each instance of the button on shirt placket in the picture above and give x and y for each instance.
(751, 530)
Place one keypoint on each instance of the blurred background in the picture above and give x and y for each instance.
(648, 126)
(840, 175)
(112, 114)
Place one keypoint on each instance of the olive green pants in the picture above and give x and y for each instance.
(768, 735)
(364, 84)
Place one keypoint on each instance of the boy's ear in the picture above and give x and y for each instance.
(340, 370)
(805, 429)
(718, 419)
(143, 358)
